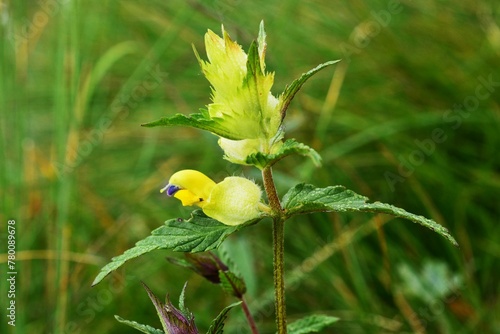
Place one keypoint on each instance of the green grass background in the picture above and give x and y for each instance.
(82, 178)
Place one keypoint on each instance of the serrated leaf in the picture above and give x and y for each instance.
(232, 284)
(197, 234)
(291, 146)
(306, 198)
(198, 120)
(311, 324)
(217, 325)
(288, 94)
(140, 327)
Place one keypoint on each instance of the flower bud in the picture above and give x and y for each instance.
(174, 321)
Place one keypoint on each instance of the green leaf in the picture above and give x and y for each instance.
(182, 300)
(201, 121)
(291, 146)
(306, 198)
(232, 283)
(288, 94)
(311, 324)
(140, 327)
(217, 325)
(181, 263)
(197, 234)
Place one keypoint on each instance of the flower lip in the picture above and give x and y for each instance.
(171, 189)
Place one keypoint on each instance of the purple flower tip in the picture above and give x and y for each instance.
(170, 189)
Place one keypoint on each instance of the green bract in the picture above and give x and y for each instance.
(244, 113)
(241, 88)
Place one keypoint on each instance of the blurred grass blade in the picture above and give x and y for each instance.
(101, 68)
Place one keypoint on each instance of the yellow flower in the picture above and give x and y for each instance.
(233, 201)
(244, 113)
(242, 102)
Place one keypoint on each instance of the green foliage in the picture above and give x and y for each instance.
(306, 198)
(197, 234)
(200, 120)
(290, 146)
(292, 89)
(302, 199)
(140, 327)
(311, 324)
(217, 325)
(398, 84)
(232, 284)
(254, 70)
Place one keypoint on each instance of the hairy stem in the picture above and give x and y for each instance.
(278, 248)
(279, 274)
(272, 194)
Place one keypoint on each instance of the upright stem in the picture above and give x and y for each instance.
(248, 315)
(272, 194)
(279, 274)
(278, 248)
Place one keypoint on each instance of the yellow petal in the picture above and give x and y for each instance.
(234, 201)
(188, 198)
(195, 187)
(237, 151)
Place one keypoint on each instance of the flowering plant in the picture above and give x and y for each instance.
(248, 119)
